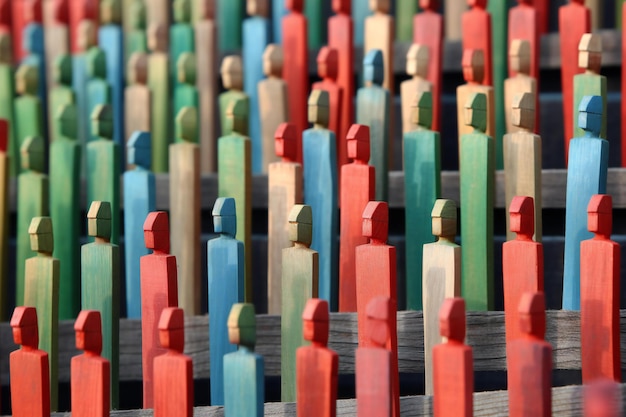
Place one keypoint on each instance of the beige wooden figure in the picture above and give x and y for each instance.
(522, 82)
(137, 96)
(380, 34)
(454, 9)
(417, 67)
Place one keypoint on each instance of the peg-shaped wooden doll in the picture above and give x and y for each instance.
(28, 110)
(7, 91)
(244, 370)
(599, 295)
(284, 191)
(158, 292)
(138, 97)
(30, 379)
(586, 176)
(358, 185)
(99, 92)
(422, 185)
(87, 35)
(230, 15)
(186, 93)
(181, 36)
(33, 46)
(380, 34)
(90, 372)
(453, 369)
(135, 37)
(602, 398)
(521, 82)
(23, 14)
(100, 284)
(477, 172)
(225, 263)
(5, 160)
(159, 85)
(378, 259)
(232, 79)
(317, 367)
(529, 376)
(441, 278)
(61, 93)
(417, 61)
(476, 29)
(320, 192)
(524, 24)
(499, 35)
(57, 33)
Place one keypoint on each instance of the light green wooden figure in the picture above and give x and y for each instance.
(232, 79)
(28, 109)
(590, 83)
(186, 93)
(62, 93)
(136, 39)
(159, 84)
(98, 88)
(6, 102)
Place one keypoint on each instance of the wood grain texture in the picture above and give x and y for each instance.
(524, 23)
(111, 40)
(5, 161)
(159, 84)
(476, 32)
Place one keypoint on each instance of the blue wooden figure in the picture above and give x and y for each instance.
(244, 370)
(7, 90)
(86, 40)
(278, 12)
(139, 201)
(320, 192)
(225, 269)
(360, 10)
(186, 93)
(181, 36)
(373, 106)
(33, 45)
(586, 176)
(98, 88)
(61, 93)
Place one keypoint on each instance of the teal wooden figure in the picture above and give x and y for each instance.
(422, 187)
(360, 10)
(28, 110)
(7, 89)
(320, 192)
(278, 12)
(232, 79)
(62, 93)
(477, 165)
(99, 90)
(181, 36)
(244, 370)
(86, 40)
(372, 109)
(230, 15)
(256, 36)
(589, 83)
(136, 39)
(103, 166)
(139, 201)
(499, 11)
(186, 93)
(32, 201)
(159, 84)
(586, 176)
(100, 285)
(225, 269)
(316, 24)
(34, 49)
(65, 207)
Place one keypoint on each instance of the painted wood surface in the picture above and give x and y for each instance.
(500, 25)
(34, 50)
(181, 37)
(56, 35)
(99, 92)
(379, 29)
(159, 13)
(7, 90)
(602, 398)
(135, 22)
(61, 93)
(279, 10)
(453, 14)
(405, 10)
(316, 18)
(300, 283)
(185, 92)
(476, 32)
(86, 32)
(230, 15)
(27, 107)
(417, 63)
(359, 12)
(232, 79)
(524, 23)
(81, 10)
(138, 98)
(159, 85)
(23, 13)
(5, 162)
(596, 7)
(521, 82)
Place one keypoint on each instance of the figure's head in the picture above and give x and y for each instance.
(87, 35)
(182, 11)
(600, 214)
(242, 325)
(532, 314)
(237, 116)
(422, 109)
(88, 328)
(590, 115)
(225, 216)
(32, 154)
(327, 63)
(31, 39)
(157, 37)
(66, 121)
(110, 12)
(232, 73)
(26, 80)
(590, 52)
(62, 69)
(96, 63)
(473, 63)
(358, 141)
(139, 149)
(24, 325)
(376, 221)
(257, 8)
(186, 68)
(522, 216)
(137, 68)
(380, 6)
(315, 321)
(378, 312)
(206, 9)
(138, 15)
(523, 111)
(99, 220)
(285, 139)
(301, 224)
(186, 124)
(156, 231)
(172, 329)
(417, 59)
(373, 67)
(40, 231)
(342, 6)
(319, 108)
(476, 111)
(273, 60)
(102, 121)
(519, 56)
(452, 319)
(444, 218)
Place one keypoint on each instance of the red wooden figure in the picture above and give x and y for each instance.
(599, 295)
(173, 371)
(5, 16)
(60, 12)
(543, 11)
(453, 368)
(476, 27)
(158, 291)
(317, 367)
(24, 12)
(428, 30)
(530, 362)
(377, 259)
(90, 372)
(82, 10)
(30, 379)
(602, 399)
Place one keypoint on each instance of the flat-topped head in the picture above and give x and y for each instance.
(110, 12)
(62, 70)
(31, 39)
(158, 35)
(172, 329)
(40, 231)
(186, 124)
(316, 321)
(431, 5)
(444, 218)
(4, 136)
(328, 63)
(237, 116)
(273, 60)
(232, 73)
(522, 216)
(32, 154)
(138, 15)
(519, 56)
(603, 399)
(182, 11)
(102, 121)
(379, 6)
(24, 325)
(186, 68)
(373, 67)
(225, 216)
(294, 5)
(358, 141)
(422, 109)
(137, 68)
(96, 63)
(6, 49)
(479, 4)
(88, 328)
(206, 9)
(473, 63)
(285, 141)
(26, 80)
(99, 220)
(377, 313)
(319, 108)
(523, 111)
(376, 221)
(417, 59)
(139, 149)
(87, 35)
(476, 111)
(301, 224)
(590, 52)
(590, 115)
(257, 8)
(66, 121)
(600, 214)
(532, 314)
(342, 6)
(156, 231)
(452, 319)
(242, 325)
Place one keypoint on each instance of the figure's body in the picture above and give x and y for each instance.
(86, 35)
(232, 79)
(417, 62)
(590, 83)
(380, 33)
(602, 399)
(29, 116)
(476, 29)
(181, 37)
(186, 93)
(138, 111)
(159, 86)
(60, 94)
(98, 90)
(34, 49)
(524, 24)
(520, 83)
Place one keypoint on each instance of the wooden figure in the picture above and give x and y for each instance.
(30, 391)
(476, 30)
(317, 367)
(405, 10)
(574, 22)
(602, 399)
(6, 17)
(230, 15)
(158, 13)
(90, 372)
(100, 284)
(300, 283)
(477, 172)
(521, 82)
(374, 360)
(33, 45)
(135, 37)
(181, 36)
(65, 157)
(453, 369)
(586, 176)
(159, 86)
(358, 183)
(186, 93)
(599, 295)
(441, 279)
(138, 97)
(320, 192)
(273, 108)
(499, 11)
(315, 13)
(360, 10)
(417, 63)
(235, 180)
(380, 34)
(99, 92)
(591, 83)
(17, 23)
(158, 292)
(87, 34)
(5, 162)
(81, 11)
(232, 79)
(529, 376)
(103, 163)
(244, 370)
(379, 260)
(373, 109)
(7, 90)
(61, 93)
(341, 38)
(27, 107)
(279, 10)
(225, 264)
(524, 24)
(185, 209)
(139, 202)
(57, 33)
(32, 201)
(284, 180)
(296, 68)
(422, 185)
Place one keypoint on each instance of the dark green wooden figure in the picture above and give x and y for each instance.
(6, 102)
(186, 93)
(181, 37)
(98, 88)
(136, 39)
(61, 94)
(499, 42)
(28, 110)
(232, 79)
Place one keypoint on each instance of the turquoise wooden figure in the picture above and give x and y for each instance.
(34, 49)
(232, 79)
(422, 187)
(100, 284)
(360, 10)
(499, 11)
(65, 157)
(103, 166)
(159, 84)
(372, 109)
(136, 39)
(99, 90)
(320, 192)
(86, 40)
(316, 24)
(586, 176)
(186, 93)
(278, 12)
(139, 201)
(225, 269)
(32, 201)
(181, 36)
(244, 370)
(230, 15)
(7, 90)
(256, 36)
(28, 110)
(61, 93)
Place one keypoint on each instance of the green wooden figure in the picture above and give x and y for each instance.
(300, 282)
(499, 11)
(590, 83)
(136, 39)
(6, 102)
(5, 161)
(422, 187)
(159, 84)
(186, 93)
(98, 88)
(477, 157)
(28, 109)
(87, 39)
(232, 79)
(181, 37)
(32, 201)
(103, 166)
(41, 290)
(100, 284)
(65, 157)
(405, 10)
(62, 93)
